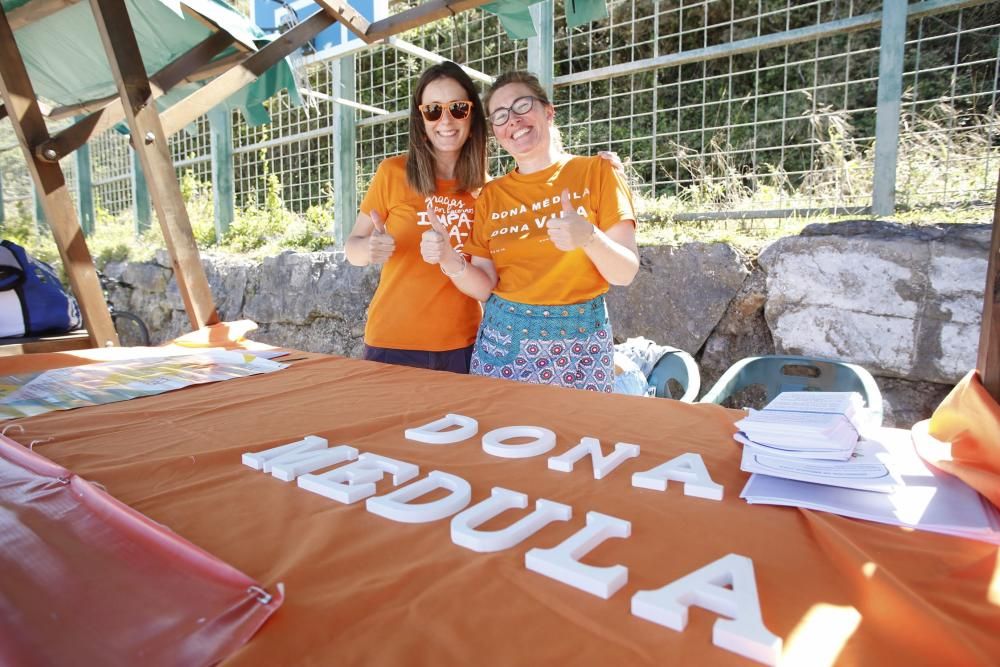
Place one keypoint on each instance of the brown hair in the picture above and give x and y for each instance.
(470, 172)
(530, 81)
(518, 76)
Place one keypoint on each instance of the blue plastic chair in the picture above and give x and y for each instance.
(777, 373)
(679, 366)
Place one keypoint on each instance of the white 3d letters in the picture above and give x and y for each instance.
(602, 464)
(463, 526)
(562, 561)
(289, 466)
(493, 442)
(687, 468)
(360, 478)
(435, 433)
(262, 460)
(398, 506)
(743, 632)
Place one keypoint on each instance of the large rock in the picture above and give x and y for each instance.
(901, 301)
(742, 332)
(296, 288)
(679, 295)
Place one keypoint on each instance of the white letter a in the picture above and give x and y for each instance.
(743, 632)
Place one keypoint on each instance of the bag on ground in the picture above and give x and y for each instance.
(32, 300)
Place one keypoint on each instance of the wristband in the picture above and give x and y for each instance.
(460, 271)
(593, 236)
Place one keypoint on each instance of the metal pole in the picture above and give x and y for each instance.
(344, 151)
(220, 122)
(40, 222)
(890, 92)
(141, 204)
(85, 188)
(540, 48)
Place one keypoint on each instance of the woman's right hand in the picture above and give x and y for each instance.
(434, 246)
(380, 244)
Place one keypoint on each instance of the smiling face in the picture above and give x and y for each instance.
(523, 135)
(447, 135)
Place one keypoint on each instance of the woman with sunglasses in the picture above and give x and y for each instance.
(417, 317)
(549, 239)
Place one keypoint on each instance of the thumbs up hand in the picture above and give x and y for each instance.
(380, 244)
(434, 245)
(571, 231)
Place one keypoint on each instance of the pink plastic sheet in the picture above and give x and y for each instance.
(86, 580)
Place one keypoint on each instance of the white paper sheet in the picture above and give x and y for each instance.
(927, 499)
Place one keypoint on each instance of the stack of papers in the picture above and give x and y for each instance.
(814, 437)
(805, 424)
(869, 468)
(808, 435)
(928, 500)
(847, 404)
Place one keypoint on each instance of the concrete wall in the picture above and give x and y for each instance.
(904, 302)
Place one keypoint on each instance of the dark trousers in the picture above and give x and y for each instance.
(455, 361)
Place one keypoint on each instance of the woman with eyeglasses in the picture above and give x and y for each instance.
(549, 239)
(417, 317)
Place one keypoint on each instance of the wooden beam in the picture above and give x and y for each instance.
(346, 14)
(151, 148)
(199, 102)
(76, 340)
(36, 10)
(209, 70)
(19, 100)
(214, 27)
(418, 16)
(988, 362)
(76, 135)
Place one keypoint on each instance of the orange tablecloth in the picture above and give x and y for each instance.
(361, 589)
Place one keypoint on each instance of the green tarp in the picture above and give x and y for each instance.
(516, 19)
(67, 63)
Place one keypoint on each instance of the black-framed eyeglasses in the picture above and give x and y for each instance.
(520, 106)
(458, 109)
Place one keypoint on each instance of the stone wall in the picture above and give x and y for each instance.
(904, 302)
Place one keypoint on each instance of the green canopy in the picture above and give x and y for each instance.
(516, 18)
(68, 65)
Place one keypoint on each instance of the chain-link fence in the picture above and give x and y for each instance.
(725, 108)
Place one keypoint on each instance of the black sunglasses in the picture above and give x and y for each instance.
(458, 109)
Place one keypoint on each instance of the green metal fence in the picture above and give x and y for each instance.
(726, 109)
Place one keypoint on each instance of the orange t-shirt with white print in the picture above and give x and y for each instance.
(510, 230)
(416, 307)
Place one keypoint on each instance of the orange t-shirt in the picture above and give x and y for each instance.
(511, 213)
(416, 307)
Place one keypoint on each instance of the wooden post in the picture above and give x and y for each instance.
(29, 126)
(151, 147)
(988, 363)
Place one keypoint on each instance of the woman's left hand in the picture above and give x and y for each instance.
(572, 230)
(616, 162)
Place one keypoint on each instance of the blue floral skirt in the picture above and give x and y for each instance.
(567, 345)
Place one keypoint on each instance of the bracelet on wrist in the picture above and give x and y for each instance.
(593, 236)
(460, 271)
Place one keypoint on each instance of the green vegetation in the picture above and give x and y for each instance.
(788, 128)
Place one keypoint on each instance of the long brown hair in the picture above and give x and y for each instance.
(470, 171)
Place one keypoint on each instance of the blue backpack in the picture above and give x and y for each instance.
(32, 300)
